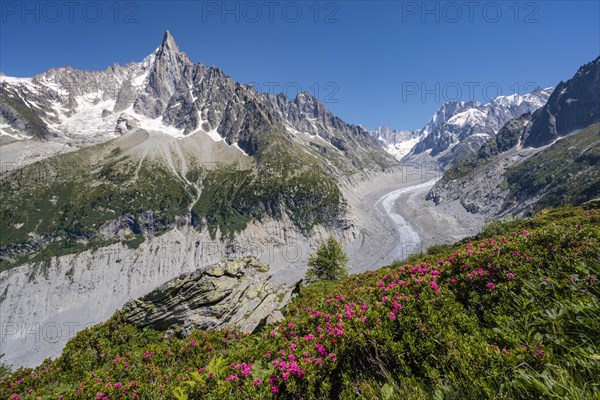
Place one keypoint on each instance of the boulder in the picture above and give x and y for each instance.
(232, 294)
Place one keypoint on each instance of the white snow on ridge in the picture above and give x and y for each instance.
(87, 120)
(139, 80)
(469, 116)
(14, 80)
(401, 149)
(156, 125)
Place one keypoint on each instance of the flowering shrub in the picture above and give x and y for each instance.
(509, 316)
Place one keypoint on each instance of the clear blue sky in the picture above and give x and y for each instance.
(375, 63)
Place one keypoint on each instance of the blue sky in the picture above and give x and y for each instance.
(372, 63)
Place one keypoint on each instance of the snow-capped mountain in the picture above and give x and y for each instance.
(69, 103)
(396, 142)
(168, 93)
(458, 129)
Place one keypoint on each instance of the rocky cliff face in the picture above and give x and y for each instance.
(18, 120)
(574, 104)
(43, 304)
(233, 294)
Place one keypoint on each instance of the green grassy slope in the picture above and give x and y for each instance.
(511, 314)
(566, 173)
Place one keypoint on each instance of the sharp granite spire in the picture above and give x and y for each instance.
(168, 73)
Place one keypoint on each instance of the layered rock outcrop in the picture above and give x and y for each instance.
(235, 293)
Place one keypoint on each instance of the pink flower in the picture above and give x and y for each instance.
(539, 352)
(274, 389)
(293, 346)
(192, 343)
(510, 275)
(452, 280)
(525, 232)
(434, 286)
(491, 286)
(256, 382)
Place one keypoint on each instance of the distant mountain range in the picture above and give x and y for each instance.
(396, 142)
(458, 129)
(166, 92)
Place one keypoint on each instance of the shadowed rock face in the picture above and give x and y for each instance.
(574, 104)
(17, 114)
(236, 293)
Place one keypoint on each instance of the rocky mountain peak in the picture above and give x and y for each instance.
(573, 105)
(168, 49)
(167, 74)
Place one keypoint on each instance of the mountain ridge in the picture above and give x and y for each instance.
(544, 158)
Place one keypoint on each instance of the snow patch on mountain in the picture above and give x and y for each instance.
(398, 143)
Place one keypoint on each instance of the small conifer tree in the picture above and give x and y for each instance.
(328, 263)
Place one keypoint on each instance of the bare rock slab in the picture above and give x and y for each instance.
(232, 294)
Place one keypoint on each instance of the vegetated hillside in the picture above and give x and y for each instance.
(521, 182)
(122, 191)
(511, 314)
(566, 173)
